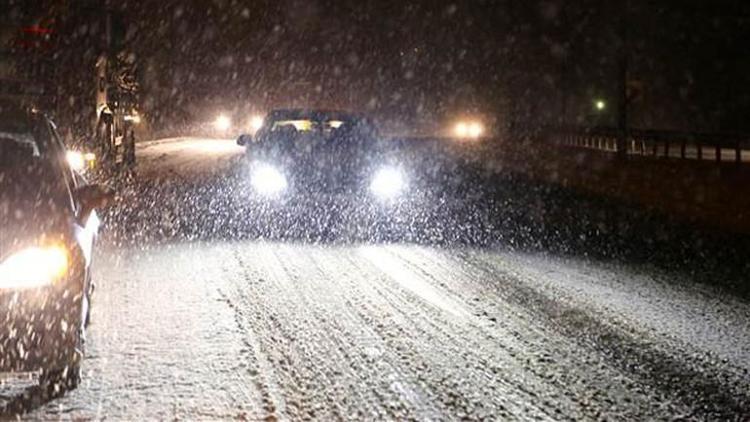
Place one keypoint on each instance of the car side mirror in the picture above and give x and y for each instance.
(91, 197)
(244, 140)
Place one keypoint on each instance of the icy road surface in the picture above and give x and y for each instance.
(250, 329)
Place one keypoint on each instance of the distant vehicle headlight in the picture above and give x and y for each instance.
(33, 267)
(256, 122)
(266, 179)
(222, 123)
(388, 182)
(468, 130)
(79, 161)
(75, 159)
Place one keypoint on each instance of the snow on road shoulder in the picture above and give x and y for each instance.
(673, 371)
(652, 301)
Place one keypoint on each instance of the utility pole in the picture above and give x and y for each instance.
(622, 86)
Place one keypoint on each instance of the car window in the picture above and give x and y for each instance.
(15, 144)
(22, 135)
(297, 125)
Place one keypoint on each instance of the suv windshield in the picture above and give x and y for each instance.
(306, 125)
(316, 124)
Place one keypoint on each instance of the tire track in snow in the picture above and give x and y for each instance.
(300, 351)
(495, 387)
(394, 387)
(553, 360)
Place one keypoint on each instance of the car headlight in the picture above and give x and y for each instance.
(79, 161)
(388, 182)
(75, 159)
(33, 267)
(267, 180)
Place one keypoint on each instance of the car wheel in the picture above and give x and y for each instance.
(55, 382)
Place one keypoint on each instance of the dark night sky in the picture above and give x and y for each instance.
(423, 61)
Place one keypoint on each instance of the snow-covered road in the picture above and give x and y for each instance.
(283, 329)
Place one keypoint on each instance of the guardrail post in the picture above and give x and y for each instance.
(718, 153)
(699, 147)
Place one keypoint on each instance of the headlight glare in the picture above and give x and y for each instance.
(33, 267)
(79, 161)
(76, 160)
(388, 182)
(267, 180)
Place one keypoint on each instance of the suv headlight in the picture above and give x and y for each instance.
(388, 182)
(267, 180)
(33, 267)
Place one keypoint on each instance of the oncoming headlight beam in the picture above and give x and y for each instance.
(267, 179)
(388, 183)
(79, 161)
(222, 122)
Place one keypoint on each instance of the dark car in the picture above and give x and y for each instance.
(316, 152)
(48, 228)
(336, 163)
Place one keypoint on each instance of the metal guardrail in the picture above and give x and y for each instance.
(664, 144)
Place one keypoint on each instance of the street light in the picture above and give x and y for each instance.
(600, 105)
